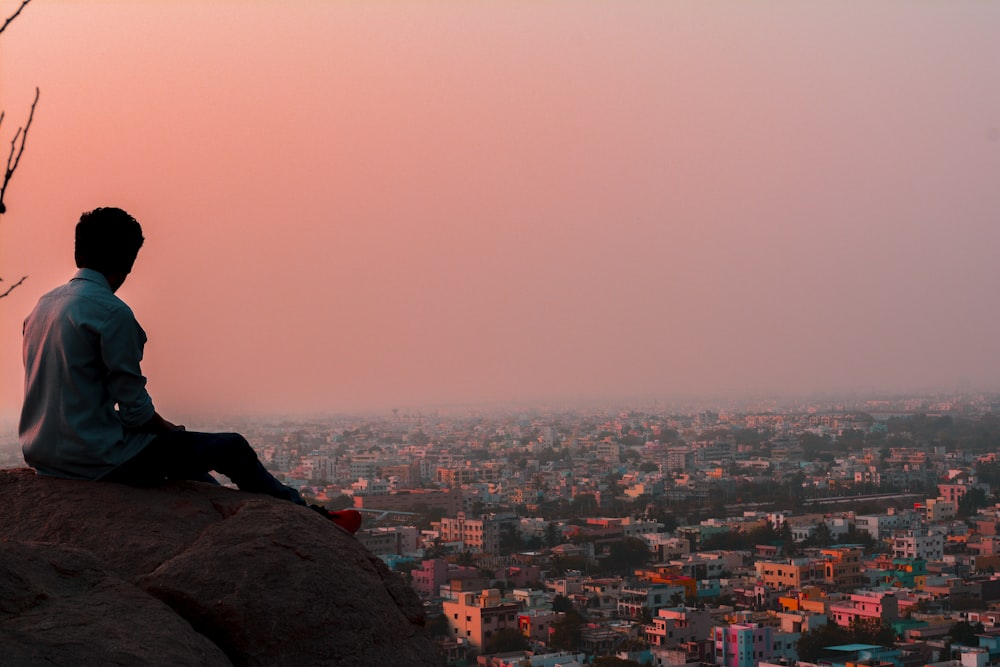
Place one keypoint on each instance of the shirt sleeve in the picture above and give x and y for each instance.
(122, 342)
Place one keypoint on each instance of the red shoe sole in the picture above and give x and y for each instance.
(347, 520)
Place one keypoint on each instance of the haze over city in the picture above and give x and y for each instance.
(365, 205)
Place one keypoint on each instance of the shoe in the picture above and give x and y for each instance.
(347, 520)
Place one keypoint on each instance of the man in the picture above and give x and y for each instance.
(87, 414)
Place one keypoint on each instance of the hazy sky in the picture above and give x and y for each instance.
(391, 204)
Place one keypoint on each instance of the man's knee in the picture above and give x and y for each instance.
(235, 445)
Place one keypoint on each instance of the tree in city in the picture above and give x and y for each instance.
(821, 537)
(510, 539)
(872, 631)
(583, 504)
(567, 632)
(625, 556)
(964, 633)
(437, 626)
(812, 643)
(435, 549)
(973, 500)
(506, 640)
(552, 536)
(561, 603)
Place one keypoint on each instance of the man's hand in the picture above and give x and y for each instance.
(158, 424)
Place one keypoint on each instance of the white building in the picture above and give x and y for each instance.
(918, 544)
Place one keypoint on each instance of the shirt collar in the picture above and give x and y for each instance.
(94, 277)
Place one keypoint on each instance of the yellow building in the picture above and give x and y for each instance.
(790, 573)
(476, 617)
(842, 567)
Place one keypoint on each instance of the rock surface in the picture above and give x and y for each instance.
(190, 574)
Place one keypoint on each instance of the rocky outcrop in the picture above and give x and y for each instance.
(190, 574)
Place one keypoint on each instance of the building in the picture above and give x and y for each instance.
(436, 572)
(918, 544)
(404, 474)
(953, 492)
(691, 654)
(842, 567)
(865, 604)
(663, 547)
(638, 599)
(478, 616)
(479, 535)
(742, 644)
(791, 572)
(536, 624)
(939, 509)
(390, 539)
(673, 626)
(365, 465)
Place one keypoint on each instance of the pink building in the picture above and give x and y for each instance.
(952, 492)
(519, 576)
(436, 572)
(742, 644)
(866, 604)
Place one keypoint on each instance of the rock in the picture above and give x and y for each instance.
(59, 606)
(189, 573)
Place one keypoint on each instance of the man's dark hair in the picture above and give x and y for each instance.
(107, 240)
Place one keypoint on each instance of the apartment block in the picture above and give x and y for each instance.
(866, 604)
(842, 567)
(674, 626)
(742, 644)
(918, 544)
(478, 616)
(791, 573)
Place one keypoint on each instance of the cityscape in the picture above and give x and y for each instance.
(481, 272)
(859, 531)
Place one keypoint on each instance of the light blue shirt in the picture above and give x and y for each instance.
(83, 389)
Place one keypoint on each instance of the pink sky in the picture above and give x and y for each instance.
(390, 204)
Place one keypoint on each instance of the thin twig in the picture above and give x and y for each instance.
(13, 16)
(14, 158)
(11, 288)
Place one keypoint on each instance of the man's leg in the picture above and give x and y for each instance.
(191, 455)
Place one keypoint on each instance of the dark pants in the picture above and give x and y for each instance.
(191, 455)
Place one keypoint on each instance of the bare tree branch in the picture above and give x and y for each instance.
(15, 151)
(13, 16)
(11, 288)
(14, 157)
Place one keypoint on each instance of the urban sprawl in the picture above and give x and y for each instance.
(858, 533)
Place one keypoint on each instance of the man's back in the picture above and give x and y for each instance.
(82, 348)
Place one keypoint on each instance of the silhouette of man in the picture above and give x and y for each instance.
(86, 413)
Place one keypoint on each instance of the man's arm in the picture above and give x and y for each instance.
(122, 341)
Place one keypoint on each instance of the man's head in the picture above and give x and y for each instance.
(108, 240)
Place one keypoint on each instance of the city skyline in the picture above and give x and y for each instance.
(374, 205)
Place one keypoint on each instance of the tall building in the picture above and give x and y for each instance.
(918, 544)
(742, 644)
(479, 535)
(479, 616)
(842, 567)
